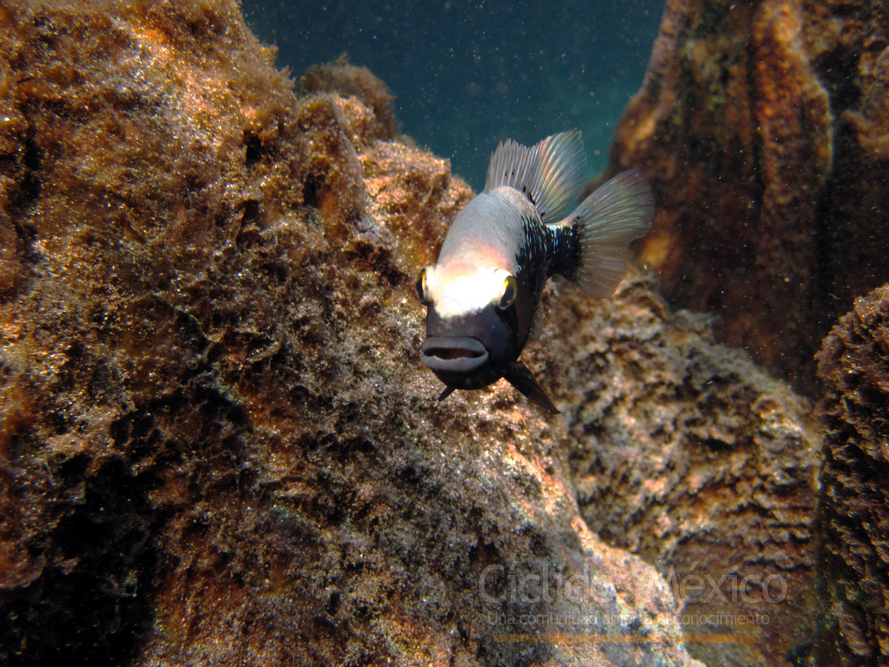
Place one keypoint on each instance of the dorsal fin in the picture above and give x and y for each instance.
(550, 173)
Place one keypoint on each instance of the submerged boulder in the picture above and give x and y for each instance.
(217, 444)
(688, 454)
(762, 126)
(854, 508)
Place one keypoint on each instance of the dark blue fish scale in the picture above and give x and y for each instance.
(545, 251)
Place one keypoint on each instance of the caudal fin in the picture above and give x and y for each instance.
(604, 224)
(550, 173)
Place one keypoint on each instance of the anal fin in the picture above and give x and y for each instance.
(520, 377)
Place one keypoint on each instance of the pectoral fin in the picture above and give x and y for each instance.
(520, 377)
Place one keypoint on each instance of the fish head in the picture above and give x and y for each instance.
(472, 331)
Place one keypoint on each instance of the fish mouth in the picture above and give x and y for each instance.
(445, 354)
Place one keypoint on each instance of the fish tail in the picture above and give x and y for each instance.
(603, 226)
(551, 173)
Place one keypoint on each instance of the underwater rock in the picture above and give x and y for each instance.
(854, 506)
(689, 455)
(762, 127)
(217, 443)
(350, 81)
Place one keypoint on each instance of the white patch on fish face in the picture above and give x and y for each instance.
(464, 289)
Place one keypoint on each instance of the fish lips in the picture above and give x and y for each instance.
(452, 354)
(460, 362)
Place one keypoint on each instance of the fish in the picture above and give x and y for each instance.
(483, 293)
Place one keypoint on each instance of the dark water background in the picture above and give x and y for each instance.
(469, 73)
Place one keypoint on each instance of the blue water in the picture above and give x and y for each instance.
(468, 73)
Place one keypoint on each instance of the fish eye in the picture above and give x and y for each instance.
(508, 292)
(422, 288)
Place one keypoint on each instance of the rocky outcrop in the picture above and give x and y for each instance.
(762, 127)
(694, 458)
(217, 444)
(854, 507)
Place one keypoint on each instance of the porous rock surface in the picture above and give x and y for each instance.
(217, 445)
(854, 506)
(762, 126)
(693, 457)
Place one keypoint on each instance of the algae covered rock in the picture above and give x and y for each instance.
(217, 444)
(689, 455)
(762, 127)
(854, 506)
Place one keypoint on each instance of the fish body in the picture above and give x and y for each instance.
(484, 291)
